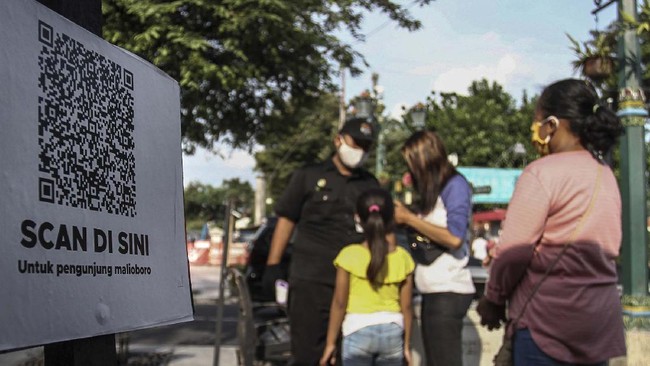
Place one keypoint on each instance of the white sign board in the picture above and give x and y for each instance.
(92, 237)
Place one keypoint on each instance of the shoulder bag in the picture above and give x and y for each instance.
(423, 250)
(504, 355)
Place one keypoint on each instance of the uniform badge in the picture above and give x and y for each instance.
(366, 129)
(321, 183)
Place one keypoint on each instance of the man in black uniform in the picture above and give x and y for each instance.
(319, 202)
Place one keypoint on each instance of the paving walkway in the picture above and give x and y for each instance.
(190, 355)
(142, 355)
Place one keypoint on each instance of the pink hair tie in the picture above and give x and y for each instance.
(373, 208)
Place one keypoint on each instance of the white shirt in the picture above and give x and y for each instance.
(448, 273)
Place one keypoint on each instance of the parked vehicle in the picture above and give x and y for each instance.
(259, 248)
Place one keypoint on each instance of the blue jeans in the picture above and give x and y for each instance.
(380, 345)
(526, 353)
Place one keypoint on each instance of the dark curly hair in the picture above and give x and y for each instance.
(593, 122)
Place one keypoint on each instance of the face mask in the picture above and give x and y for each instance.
(541, 145)
(351, 157)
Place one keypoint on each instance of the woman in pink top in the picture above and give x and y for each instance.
(569, 196)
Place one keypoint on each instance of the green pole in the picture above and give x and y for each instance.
(381, 152)
(633, 114)
(377, 121)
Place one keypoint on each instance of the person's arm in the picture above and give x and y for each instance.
(405, 296)
(509, 260)
(287, 209)
(274, 271)
(523, 227)
(337, 313)
(439, 234)
(281, 235)
(457, 199)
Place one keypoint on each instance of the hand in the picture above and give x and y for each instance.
(272, 273)
(486, 261)
(402, 214)
(329, 355)
(491, 314)
(491, 249)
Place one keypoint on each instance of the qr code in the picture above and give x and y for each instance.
(85, 127)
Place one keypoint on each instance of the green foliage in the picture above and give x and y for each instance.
(607, 41)
(609, 88)
(203, 202)
(483, 126)
(602, 44)
(307, 138)
(241, 63)
(241, 194)
(644, 39)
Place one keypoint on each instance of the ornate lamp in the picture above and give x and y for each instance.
(364, 105)
(418, 114)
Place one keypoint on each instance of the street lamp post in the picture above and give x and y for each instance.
(418, 116)
(381, 153)
(508, 156)
(365, 108)
(633, 166)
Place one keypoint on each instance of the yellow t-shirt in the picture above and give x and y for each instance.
(363, 298)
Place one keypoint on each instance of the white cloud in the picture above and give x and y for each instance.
(397, 111)
(457, 79)
(239, 160)
(507, 41)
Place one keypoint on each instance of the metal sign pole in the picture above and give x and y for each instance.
(99, 350)
(222, 279)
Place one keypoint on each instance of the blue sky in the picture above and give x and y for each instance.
(521, 44)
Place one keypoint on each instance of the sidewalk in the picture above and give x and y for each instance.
(142, 355)
(205, 285)
(185, 355)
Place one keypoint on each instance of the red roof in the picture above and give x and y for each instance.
(498, 214)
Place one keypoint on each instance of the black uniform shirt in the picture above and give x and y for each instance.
(321, 201)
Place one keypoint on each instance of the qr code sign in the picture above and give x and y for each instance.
(85, 127)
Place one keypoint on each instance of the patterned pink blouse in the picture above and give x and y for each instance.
(576, 314)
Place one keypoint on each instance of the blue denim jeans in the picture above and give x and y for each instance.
(380, 345)
(526, 353)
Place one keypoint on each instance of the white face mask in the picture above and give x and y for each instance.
(351, 157)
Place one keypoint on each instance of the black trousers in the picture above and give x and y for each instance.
(442, 327)
(309, 310)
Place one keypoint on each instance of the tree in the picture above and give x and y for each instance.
(307, 139)
(203, 202)
(242, 64)
(482, 127)
(608, 40)
(241, 194)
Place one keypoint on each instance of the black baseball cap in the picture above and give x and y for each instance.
(361, 130)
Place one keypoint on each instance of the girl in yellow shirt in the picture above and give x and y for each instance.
(372, 298)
